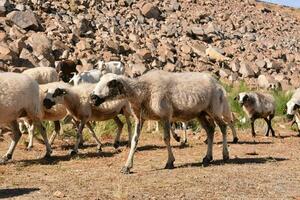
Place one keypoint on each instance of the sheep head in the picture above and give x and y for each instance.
(108, 88)
(291, 108)
(53, 97)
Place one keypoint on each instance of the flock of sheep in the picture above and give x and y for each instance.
(48, 94)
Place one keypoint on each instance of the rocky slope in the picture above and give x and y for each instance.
(237, 39)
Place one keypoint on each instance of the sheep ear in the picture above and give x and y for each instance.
(296, 107)
(59, 92)
(115, 84)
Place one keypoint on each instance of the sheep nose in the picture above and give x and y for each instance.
(96, 100)
(289, 117)
(48, 103)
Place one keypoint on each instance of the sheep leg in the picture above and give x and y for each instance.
(15, 137)
(234, 134)
(175, 136)
(128, 122)
(92, 132)
(252, 127)
(270, 125)
(171, 159)
(30, 135)
(223, 128)
(78, 136)
(184, 140)
(268, 130)
(77, 124)
(134, 142)
(42, 131)
(56, 131)
(119, 131)
(209, 127)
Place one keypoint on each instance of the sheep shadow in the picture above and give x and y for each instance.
(55, 159)
(14, 192)
(238, 161)
(71, 146)
(249, 142)
(156, 147)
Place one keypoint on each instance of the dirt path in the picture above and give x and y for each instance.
(267, 169)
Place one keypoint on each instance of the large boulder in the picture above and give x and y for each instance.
(24, 19)
(151, 11)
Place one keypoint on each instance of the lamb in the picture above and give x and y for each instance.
(257, 105)
(92, 76)
(115, 67)
(292, 108)
(42, 75)
(56, 113)
(77, 102)
(65, 69)
(167, 96)
(19, 97)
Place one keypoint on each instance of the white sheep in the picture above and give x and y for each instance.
(19, 97)
(56, 113)
(92, 76)
(292, 108)
(115, 67)
(166, 96)
(77, 102)
(42, 75)
(258, 105)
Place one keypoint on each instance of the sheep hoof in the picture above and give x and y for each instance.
(235, 140)
(177, 138)
(81, 145)
(116, 144)
(225, 158)
(29, 148)
(5, 158)
(73, 152)
(169, 165)
(206, 161)
(125, 170)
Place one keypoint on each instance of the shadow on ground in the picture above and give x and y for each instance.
(53, 160)
(239, 161)
(14, 192)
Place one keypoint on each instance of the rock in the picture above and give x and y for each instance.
(186, 49)
(260, 63)
(263, 81)
(273, 65)
(84, 27)
(224, 73)
(5, 52)
(24, 19)
(4, 6)
(235, 65)
(144, 53)
(215, 54)
(170, 67)
(198, 48)
(28, 59)
(151, 11)
(58, 194)
(246, 70)
(40, 44)
(137, 69)
(197, 30)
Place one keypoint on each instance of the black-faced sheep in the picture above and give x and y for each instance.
(77, 102)
(165, 96)
(257, 105)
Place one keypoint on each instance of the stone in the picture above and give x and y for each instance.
(260, 63)
(224, 73)
(24, 19)
(58, 194)
(198, 48)
(197, 30)
(246, 70)
(186, 49)
(40, 44)
(28, 59)
(215, 54)
(170, 67)
(151, 11)
(235, 65)
(144, 53)
(137, 69)
(5, 52)
(263, 81)
(4, 5)
(273, 65)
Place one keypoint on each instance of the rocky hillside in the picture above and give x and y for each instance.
(236, 39)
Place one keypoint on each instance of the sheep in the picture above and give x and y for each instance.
(115, 67)
(56, 113)
(92, 76)
(42, 75)
(167, 96)
(292, 109)
(77, 102)
(19, 97)
(65, 69)
(258, 105)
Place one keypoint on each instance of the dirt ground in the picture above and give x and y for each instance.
(267, 168)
